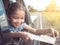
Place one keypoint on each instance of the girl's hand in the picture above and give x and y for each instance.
(54, 33)
(26, 36)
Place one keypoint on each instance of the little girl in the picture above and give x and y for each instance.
(16, 17)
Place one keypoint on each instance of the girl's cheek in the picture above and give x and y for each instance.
(23, 20)
(14, 20)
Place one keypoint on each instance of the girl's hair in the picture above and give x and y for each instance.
(13, 7)
(16, 6)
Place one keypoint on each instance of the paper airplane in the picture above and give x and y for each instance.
(43, 38)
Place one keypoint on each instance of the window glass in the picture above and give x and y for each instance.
(44, 13)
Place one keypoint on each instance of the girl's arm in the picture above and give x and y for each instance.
(37, 31)
(42, 31)
(17, 34)
(24, 35)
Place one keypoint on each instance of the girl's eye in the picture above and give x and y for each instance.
(22, 18)
(16, 18)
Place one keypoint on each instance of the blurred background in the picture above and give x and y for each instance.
(44, 14)
(40, 14)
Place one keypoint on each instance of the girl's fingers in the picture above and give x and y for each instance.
(55, 33)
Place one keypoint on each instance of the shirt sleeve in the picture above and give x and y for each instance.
(22, 26)
(12, 29)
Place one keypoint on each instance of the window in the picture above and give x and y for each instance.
(46, 13)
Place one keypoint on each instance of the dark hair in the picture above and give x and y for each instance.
(13, 7)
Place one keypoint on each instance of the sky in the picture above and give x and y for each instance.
(57, 2)
(40, 4)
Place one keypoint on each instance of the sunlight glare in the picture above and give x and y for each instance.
(57, 2)
(37, 4)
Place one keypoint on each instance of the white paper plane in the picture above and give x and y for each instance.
(43, 38)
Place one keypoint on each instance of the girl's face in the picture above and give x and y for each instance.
(17, 18)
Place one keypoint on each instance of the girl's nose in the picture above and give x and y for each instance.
(22, 21)
(19, 20)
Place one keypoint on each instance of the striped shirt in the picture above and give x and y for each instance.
(12, 29)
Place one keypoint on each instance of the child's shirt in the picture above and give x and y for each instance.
(12, 29)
